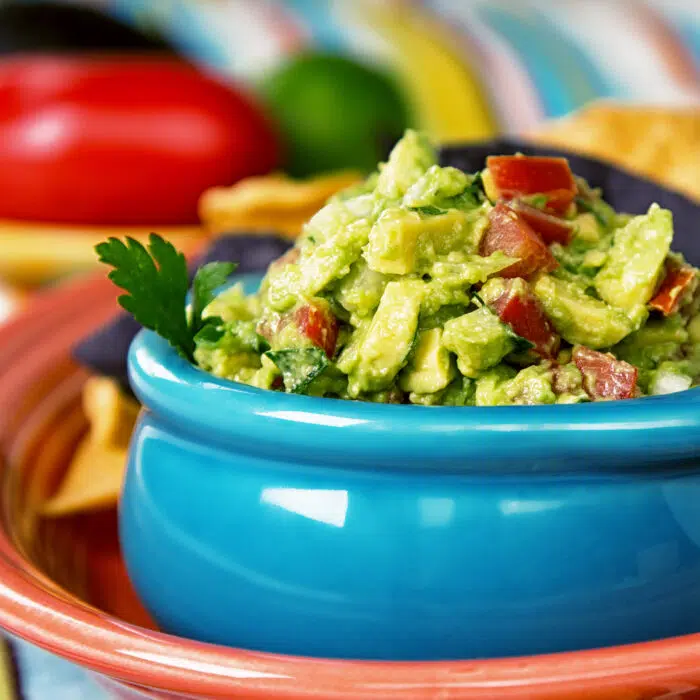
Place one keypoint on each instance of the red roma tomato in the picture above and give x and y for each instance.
(677, 280)
(604, 377)
(515, 176)
(552, 229)
(519, 308)
(121, 141)
(509, 233)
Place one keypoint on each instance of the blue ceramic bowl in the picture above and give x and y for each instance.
(333, 528)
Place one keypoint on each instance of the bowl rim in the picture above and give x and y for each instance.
(106, 645)
(632, 432)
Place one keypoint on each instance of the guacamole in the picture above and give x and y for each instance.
(431, 286)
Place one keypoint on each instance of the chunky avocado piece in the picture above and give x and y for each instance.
(236, 346)
(460, 392)
(361, 290)
(317, 267)
(452, 278)
(479, 340)
(490, 386)
(636, 260)
(587, 228)
(328, 221)
(409, 160)
(389, 339)
(490, 189)
(568, 382)
(233, 305)
(467, 270)
(502, 386)
(436, 187)
(532, 385)
(430, 368)
(579, 318)
(403, 241)
(660, 339)
(669, 378)
(350, 355)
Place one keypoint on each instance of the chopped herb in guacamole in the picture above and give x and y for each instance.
(431, 286)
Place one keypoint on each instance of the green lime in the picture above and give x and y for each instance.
(335, 113)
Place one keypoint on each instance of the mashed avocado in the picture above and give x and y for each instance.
(428, 285)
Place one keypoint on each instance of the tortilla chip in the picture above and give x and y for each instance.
(273, 202)
(94, 477)
(661, 143)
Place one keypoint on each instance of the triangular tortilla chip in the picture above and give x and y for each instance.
(660, 143)
(94, 477)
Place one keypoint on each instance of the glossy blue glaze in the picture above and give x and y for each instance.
(333, 528)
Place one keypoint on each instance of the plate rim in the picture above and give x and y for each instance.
(106, 645)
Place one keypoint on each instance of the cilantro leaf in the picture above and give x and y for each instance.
(299, 366)
(429, 210)
(471, 197)
(207, 280)
(521, 344)
(211, 331)
(156, 283)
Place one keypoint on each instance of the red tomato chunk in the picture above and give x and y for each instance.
(314, 320)
(511, 234)
(519, 308)
(678, 279)
(552, 229)
(604, 377)
(515, 176)
(319, 325)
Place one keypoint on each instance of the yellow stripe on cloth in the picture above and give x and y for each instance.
(450, 102)
(32, 253)
(8, 686)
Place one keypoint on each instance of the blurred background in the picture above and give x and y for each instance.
(199, 117)
(102, 130)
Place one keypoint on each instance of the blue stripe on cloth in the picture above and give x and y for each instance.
(44, 676)
(688, 29)
(182, 23)
(318, 18)
(560, 69)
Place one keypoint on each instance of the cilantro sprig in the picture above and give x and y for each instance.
(156, 283)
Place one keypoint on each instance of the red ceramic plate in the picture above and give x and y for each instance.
(63, 585)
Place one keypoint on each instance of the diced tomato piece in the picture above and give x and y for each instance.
(319, 325)
(515, 176)
(519, 308)
(511, 234)
(678, 279)
(552, 229)
(277, 383)
(604, 377)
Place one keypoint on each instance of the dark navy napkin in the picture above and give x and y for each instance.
(104, 352)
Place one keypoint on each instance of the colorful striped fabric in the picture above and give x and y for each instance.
(473, 67)
(511, 64)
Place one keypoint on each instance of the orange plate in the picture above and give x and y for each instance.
(64, 588)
